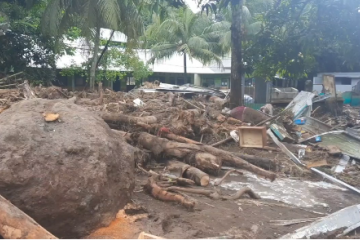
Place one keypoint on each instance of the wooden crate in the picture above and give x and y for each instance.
(252, 137)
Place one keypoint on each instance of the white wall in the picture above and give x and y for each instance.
(339, 88)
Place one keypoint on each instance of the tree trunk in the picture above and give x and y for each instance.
(204, 157)
(187, 171)
(185, 69)
(94, 60)
(236, 56)
(125, 119)
(15, 224)
(105, 49)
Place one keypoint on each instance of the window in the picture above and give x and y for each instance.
(131, 81)
(172, 81)
(343, 81)
(224, 82)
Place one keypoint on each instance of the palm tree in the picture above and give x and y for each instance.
(90, 16)
(251, 25)
(183, 33)
(238, 21)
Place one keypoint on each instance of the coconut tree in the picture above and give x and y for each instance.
(183, 33)
(251, 23)
(90, 16)
(238, 21)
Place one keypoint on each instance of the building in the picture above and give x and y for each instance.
(166, 70)
(172, 71)
(344, 81)
(169, 70)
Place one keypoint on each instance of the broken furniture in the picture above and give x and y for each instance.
(252, 137)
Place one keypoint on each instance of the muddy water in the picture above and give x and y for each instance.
(295, 192)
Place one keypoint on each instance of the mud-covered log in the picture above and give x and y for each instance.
(187, 171)
(122, 118)
(180, 138)
(264, 163)
(141, 157)
(234, 121)
(15, 224)
(205, 161)
(191, 152)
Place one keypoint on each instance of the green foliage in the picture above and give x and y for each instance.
(127, 60)
(183, 32)
(24, 43)
(303, 38)
(73, 70)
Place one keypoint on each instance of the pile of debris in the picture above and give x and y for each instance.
(184, 132)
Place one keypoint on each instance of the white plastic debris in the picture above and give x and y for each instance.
(301, 153)
(248, 99)
(226, 111)
(235, 136)
(138, 102)
(344, 161)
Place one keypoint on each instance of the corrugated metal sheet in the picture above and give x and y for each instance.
(315, 127)
(347, 143)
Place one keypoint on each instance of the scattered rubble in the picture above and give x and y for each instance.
(178, 138)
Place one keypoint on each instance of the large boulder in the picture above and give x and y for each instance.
(72, 175)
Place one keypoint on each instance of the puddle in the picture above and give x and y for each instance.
(290, 191)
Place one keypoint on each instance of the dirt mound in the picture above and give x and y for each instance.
(72, 175)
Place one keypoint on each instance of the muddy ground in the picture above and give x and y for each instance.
(243, 218)
(294, 195)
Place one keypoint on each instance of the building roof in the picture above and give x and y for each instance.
(174, 64)
(342, 74)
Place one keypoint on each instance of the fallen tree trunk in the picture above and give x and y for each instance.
(187, 171)
(197, 155)
(190, 153)
(180, 139)
(142, 158)
(234, 121)
(264, 163)
(121, 118)
(15, 224)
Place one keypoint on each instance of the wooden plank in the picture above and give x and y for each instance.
(15, 224)
(319, 163)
